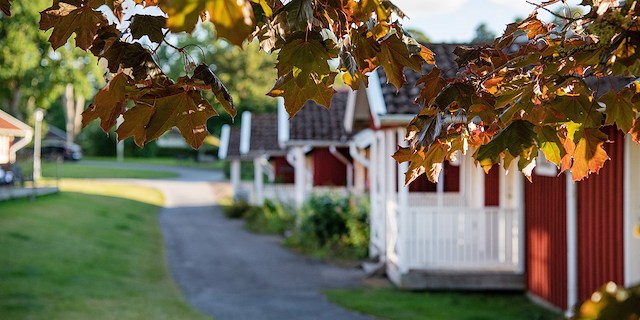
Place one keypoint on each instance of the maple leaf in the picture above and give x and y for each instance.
(233, 19)
(550, 144)
(135, 123)
(394, 56)
(457, 95)
(66, 18)
(186, 110)
(132, 55)
(202, 72)
(182, 15)
(5, 7)
(146, 25)
(619, 110)
(364, 49)
(578, 108)
(304, 57)
(299, 14)
(589, 156)
(433, 84)
(319, 90)
(109, 103)
(517, 138)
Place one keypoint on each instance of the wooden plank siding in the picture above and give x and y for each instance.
(492, 187)
(284, 172)
(546, 239)
(600, 222)
(327, 169)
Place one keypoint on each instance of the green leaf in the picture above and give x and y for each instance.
(550, 144)
(299, 14)
(66, 18)
(146, 25)
(619, 110)
(578, 108)
(109, 103)
(517, 138)
(303, 57)
(319, 90)
(202, 72)
(458, 94)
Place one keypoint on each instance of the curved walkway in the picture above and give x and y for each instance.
(230, 273)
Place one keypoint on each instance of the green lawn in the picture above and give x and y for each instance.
(165, 161)
(394, 304)
(77, 170)
(94, 251)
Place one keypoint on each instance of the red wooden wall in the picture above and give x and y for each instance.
(327, 169)
(451, 181)
(546, 239)
(492, 186)
(600, 222)
(283, 170)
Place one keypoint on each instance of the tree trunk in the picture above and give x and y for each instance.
(69, 112)
(14, 105)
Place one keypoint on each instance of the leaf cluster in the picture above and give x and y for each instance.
(537, 88)
(315, 41)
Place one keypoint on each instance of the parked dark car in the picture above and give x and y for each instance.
(54, 150)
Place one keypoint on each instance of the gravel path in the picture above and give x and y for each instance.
(230, 273)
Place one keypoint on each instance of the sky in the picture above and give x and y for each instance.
(455, 21)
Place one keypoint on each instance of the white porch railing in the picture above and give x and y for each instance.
(460, 238)
(432, 199)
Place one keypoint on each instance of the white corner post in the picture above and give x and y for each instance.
(390, 193)
(572, 244)
(631, 213)
(403, 214)
(376, 247)
(512, 204)
(258, 181)
(119, 144)
(235, 175)
(475, 178)
(37, 144)
(300, 174)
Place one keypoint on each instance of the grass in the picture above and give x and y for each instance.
(93, 251)
(79, 171)
(394, 304)
(165, 161)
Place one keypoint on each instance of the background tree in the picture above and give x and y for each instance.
(483, 35)
(32, 74)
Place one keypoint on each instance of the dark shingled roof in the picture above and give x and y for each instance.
(401, 101)
(315, 123)
(233, 150)
(264, 135)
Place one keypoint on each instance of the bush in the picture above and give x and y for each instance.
(333, 227)
(271, 218)
(236, 210)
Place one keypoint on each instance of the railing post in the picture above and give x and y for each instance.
(404, 258)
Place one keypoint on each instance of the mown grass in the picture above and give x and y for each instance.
(79, 171)
(93, 251)
(394, 304)
(165, 161)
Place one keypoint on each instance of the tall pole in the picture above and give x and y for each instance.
(37, 169)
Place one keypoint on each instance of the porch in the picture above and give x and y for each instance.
(446, 239)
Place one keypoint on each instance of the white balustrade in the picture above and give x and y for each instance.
(461, 238)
